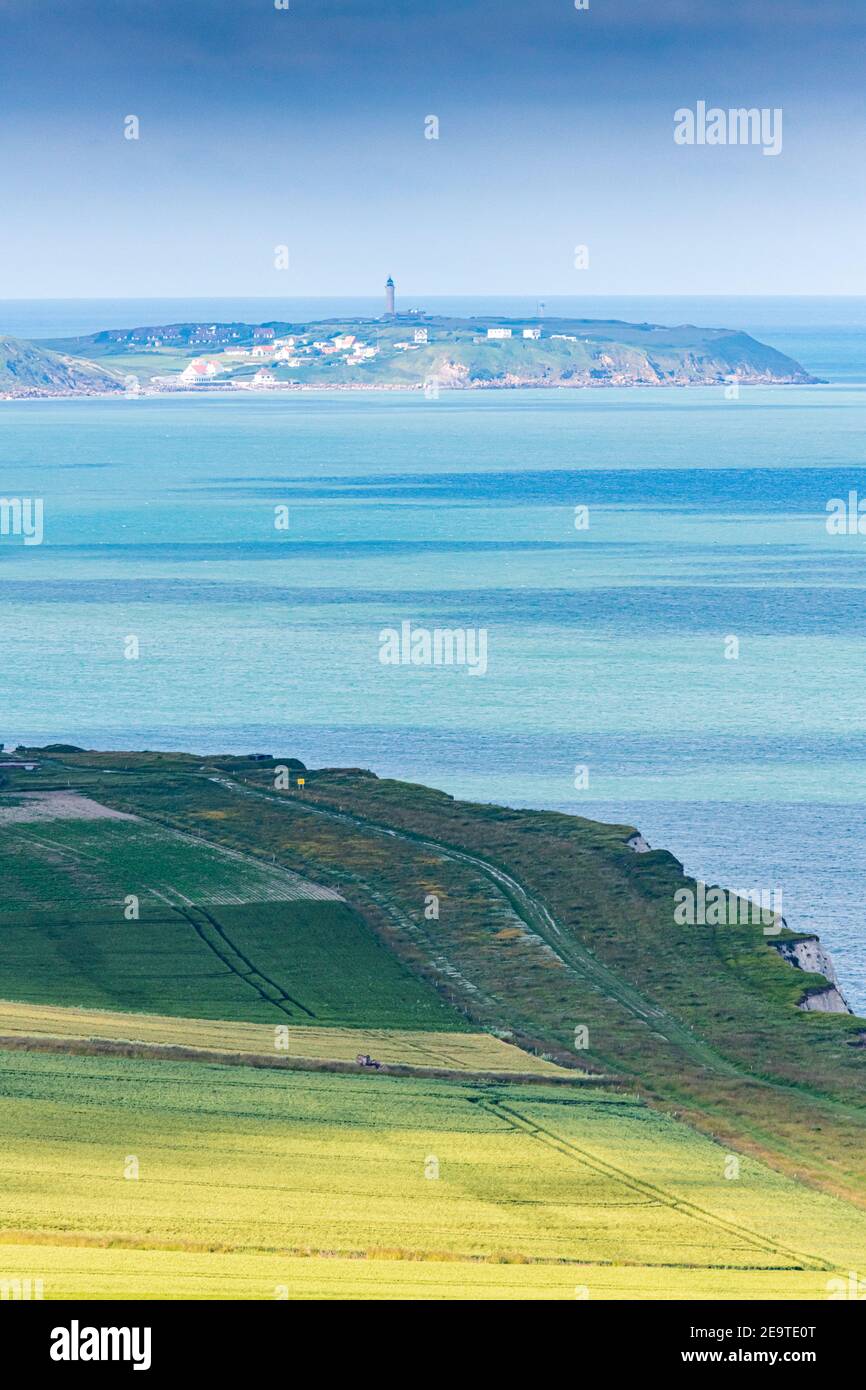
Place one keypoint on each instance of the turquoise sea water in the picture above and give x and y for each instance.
(606, 646)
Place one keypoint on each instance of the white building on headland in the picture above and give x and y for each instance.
(532, 333)
(499, 332)
(421, 335)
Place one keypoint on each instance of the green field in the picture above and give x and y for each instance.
(218, 935)
(240, 1173)
(268, 962)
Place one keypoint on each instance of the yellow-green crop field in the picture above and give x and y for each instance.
(70, 1273)
(480, 1052)
(127, 1178)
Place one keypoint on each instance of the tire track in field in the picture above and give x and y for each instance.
(284, 996)
(249, 972)
(522, 1124)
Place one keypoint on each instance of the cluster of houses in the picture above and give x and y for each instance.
(288, 352)
(345, 345)
(293, 351)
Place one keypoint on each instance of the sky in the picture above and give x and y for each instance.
(305, 128)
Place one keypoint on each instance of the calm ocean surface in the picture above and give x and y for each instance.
(606, 646)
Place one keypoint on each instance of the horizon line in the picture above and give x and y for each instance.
(355, 294)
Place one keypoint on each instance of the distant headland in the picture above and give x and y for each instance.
(412, 351)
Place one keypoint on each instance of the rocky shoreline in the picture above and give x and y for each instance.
(400, 388)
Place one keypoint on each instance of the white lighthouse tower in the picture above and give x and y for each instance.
(389, 298)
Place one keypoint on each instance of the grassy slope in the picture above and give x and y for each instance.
(248, 1165)
(26, 367)
(703, 1019)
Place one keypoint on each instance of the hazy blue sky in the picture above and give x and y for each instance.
(305, 127)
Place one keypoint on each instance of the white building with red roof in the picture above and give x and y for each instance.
(199, 370)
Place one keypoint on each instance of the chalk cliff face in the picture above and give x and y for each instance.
(825, 1001)
(810, 955)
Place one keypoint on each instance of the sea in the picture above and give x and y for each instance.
(675, 639)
